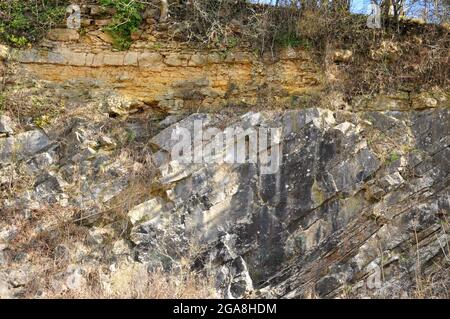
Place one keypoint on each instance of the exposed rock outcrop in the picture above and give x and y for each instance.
(94, 198)
(341, 217)
(318, 225)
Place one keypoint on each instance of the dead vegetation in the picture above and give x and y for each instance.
(404, 54)
(136, 283)
(51, 238)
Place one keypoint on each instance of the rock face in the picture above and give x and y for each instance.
(316, 224)
(341, 215)
(178, 81)
(346, 200)
(63, 35)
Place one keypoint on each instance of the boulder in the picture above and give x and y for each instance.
(63, 35)
(22, 145)
(6, 125)
(146, 211)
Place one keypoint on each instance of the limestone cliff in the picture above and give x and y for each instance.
(93, 202)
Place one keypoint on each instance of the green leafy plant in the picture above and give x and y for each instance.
(27, 21)
(18, 41)
(42, 121)
(232, 42)
(126, 20)
(46, 119)
(291, 40)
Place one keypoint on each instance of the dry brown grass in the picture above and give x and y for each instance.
(44, 239)
(134, 282)
(159, 285)
(130, 280)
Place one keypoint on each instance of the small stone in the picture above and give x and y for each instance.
(105, 37)
(63, 35)
(85, 155)
(342, 56)
(96, 10)
(62, 252)
(214, 58)
(121, 247)
(103, 23)
(146, 211)
(6, 125)
(241, 282)
(3, 258)
(55, 58)
(22, 145)
(107, 143)
(391, 181)
(4, 52)
(97, 236)
(136, 35)
(7, 234)
(40, 162)
(374, 193)
(75, 58)
(346, 128)
(423, 101)
(151, 13)
(76, 281)
(86, 22)
(131, 58)
(18, 278)
(175, 59)
(172, 106)
(98, 60)
(117, 105)
(198, 60)
(5, 291)
(48, 186)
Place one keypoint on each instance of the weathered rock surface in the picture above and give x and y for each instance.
(290, 227)
(22, 145)
(340, 216)
(358, 206)
(174, 81)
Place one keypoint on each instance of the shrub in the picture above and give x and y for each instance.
(27, 21)
(126, 20)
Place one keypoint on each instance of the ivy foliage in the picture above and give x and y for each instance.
(26, 21)
(125, 21)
